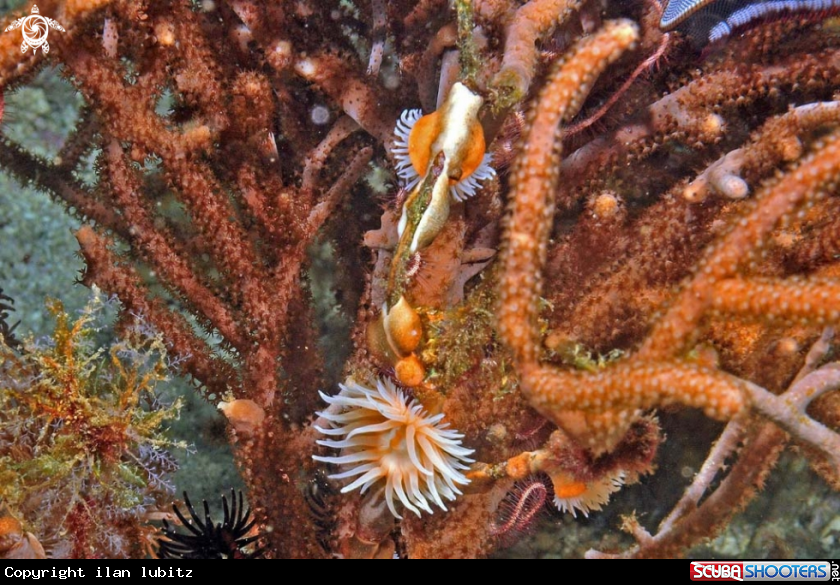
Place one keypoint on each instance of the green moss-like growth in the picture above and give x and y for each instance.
(459, 339)
(581, 358)
(83, 445)
(469, 60)
(508, 90)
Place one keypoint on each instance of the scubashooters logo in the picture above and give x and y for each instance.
(709, 571)
(761, 571)
(35, 29)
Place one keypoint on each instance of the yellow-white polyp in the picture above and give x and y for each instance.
(435, 216)
(392, 443)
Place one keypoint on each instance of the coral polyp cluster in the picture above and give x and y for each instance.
(391, 440)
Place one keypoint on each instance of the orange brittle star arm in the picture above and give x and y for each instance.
(534, 181)
(607, 397)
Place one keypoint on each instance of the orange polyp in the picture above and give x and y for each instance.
(423, 135)
(410, 371)
(569, 490)
(11, 534)
(475, 151)
(425, 132)
(403, 328)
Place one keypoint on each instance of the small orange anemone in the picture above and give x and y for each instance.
(15, 543)
(421, 144)
(572, 495)
(419, 139)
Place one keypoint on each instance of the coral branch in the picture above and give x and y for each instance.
(635, 385)
(60, 184)
(532, 22)
(690, 521)
(677, 330)
(788, 411)
(356, 99)
(117, 279)
(161, 248)
(534, 181)
(800, 301)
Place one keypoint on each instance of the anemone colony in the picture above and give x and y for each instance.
(548, 217)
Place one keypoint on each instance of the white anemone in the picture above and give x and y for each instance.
(392, 443)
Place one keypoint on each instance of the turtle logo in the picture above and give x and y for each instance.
(35, 30)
